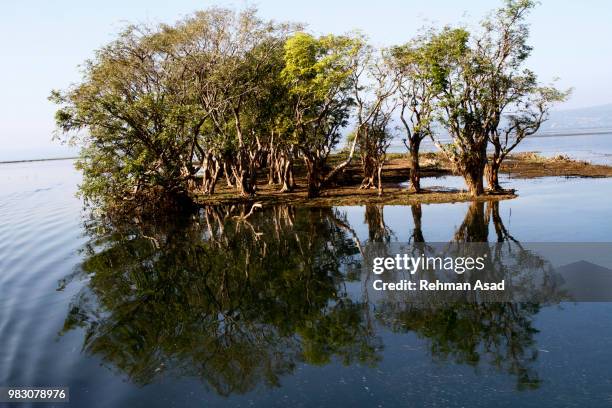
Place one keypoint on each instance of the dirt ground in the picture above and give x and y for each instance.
(345, 190)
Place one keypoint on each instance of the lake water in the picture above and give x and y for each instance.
(592, 146)
(212, 310)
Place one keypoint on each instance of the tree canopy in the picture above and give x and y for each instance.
(169, 110)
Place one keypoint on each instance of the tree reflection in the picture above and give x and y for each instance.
(232, 298)
(474, 332)
(475, 225)
(500, 334)
(239, 296)
(378, 231)
(417, 216)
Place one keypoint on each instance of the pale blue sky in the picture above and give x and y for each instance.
(43, 42)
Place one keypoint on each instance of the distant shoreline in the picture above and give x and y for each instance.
(542, 134)
(37, 160)
(572, 132)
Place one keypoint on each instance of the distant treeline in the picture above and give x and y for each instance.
(172, 109)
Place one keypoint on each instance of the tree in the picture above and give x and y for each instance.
(528, 114)
(165, 110)
(519, 104)
(234, 61)
(275, 120)
(463, 104)
(373, 89)
(160, 104)
(418, 86)
(374, 138)
(134, 120)
(484, 85)
(319, 74)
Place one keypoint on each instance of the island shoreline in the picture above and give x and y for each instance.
(345, 190)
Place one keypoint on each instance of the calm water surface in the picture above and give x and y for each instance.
(212, 310)
(592, 147)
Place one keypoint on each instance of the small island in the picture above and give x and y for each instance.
(273, 207)
(226, 107)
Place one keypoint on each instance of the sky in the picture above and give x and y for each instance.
(42, 44)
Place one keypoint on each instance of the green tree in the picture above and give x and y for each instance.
(234, 61)
(319, 73)
(519, 105)
(488, 95)
(133, 118)
(161, 103)
(374, 138)
(460, 74)
(373, 90)
(416, 68)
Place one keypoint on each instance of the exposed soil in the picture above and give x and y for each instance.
(531, 165)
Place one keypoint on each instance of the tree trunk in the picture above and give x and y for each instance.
(228, 174)
(242, 179)
(272, 169)
(473, 179)
(252, 177)
(291, 179)
(211, 168)
(379, 176)
(313, 178)
(314, 188)
(493, 174)
(272, 161)
(470, 163)
(242, 183)
(210, 189)
(368, 166)
(286, 176)
(415, 168)
(245, 172)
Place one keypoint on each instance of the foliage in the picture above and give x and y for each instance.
(166, 111)
(319, 74)
(134, 119)
(485, 81)
(161, 299)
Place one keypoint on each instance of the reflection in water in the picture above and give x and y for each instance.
(498, 333)
(470, 333)
(475, 226)
(231, 300)
(239, 297)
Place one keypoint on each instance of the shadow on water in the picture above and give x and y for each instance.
(239, 298)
